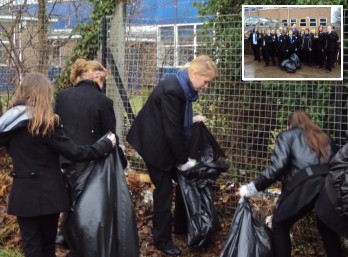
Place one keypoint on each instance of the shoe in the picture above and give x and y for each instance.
(327, 71)
(170, 249)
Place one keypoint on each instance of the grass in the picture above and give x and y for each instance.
(11, 252)
(137, 103)
(4, 101)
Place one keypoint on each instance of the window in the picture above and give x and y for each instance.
(292, 22)
(187, 38)
(323, 21)
(246, 9)
(185, 34)
(56, 52)
(252, 9)
(303, 23)
(261, 8)
(167, 34)
(312, 22)
(285, 22)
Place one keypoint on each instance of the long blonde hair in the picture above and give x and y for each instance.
(36, 91)
(314, 136)
(83, 69)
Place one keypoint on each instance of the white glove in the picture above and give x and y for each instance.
(198, 118)
(248, 190)
(188, 165)
(112, 138)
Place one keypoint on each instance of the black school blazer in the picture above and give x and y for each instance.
(157, 132)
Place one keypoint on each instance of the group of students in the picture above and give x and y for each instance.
(319, 50)
(40, 139)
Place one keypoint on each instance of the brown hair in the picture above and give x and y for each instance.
(314, 136)
(203, 65)
(81, 66)
(36, 91)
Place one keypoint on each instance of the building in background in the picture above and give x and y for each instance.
(304, 17)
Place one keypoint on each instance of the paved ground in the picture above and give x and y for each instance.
(255, 69)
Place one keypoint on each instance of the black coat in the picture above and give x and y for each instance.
(157, 132)
(331, 41)
(291, 155)
(332, 195)
(87, 114)
(38, 187)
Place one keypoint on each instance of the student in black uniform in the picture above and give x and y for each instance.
(273, 52)
(296, 151)
(307, 48)
(299, 42)
(331, 47)
(267, 47)
(159, 134)
(282, 39)
(292, 45)
(320, 53)
(254, 44)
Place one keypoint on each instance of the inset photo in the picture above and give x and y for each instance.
(292, 42)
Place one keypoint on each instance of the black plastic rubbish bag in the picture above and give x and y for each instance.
(294, 58)
(102, 221)
(248, 237)
(196, 185)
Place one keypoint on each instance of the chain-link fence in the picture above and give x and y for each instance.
(245, 117)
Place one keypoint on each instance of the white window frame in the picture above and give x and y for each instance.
(293, 21)
(321, 23)
(176, 44)
(303, 20)
(312, 21)
(285, 22)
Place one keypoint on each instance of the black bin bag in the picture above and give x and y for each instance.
(196, 185)
(102, 221)
(248, 237)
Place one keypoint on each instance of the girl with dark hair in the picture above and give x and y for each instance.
(321, 38)
(30, 132)
(299, 162)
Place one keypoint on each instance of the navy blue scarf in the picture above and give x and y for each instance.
(191, 96)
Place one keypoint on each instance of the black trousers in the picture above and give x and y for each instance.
(329, 60)
(38, 235)
(162, 204)
(281, 234)
(307, 56)
(256, 50)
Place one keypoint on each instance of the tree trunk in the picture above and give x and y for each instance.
(42, 38)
